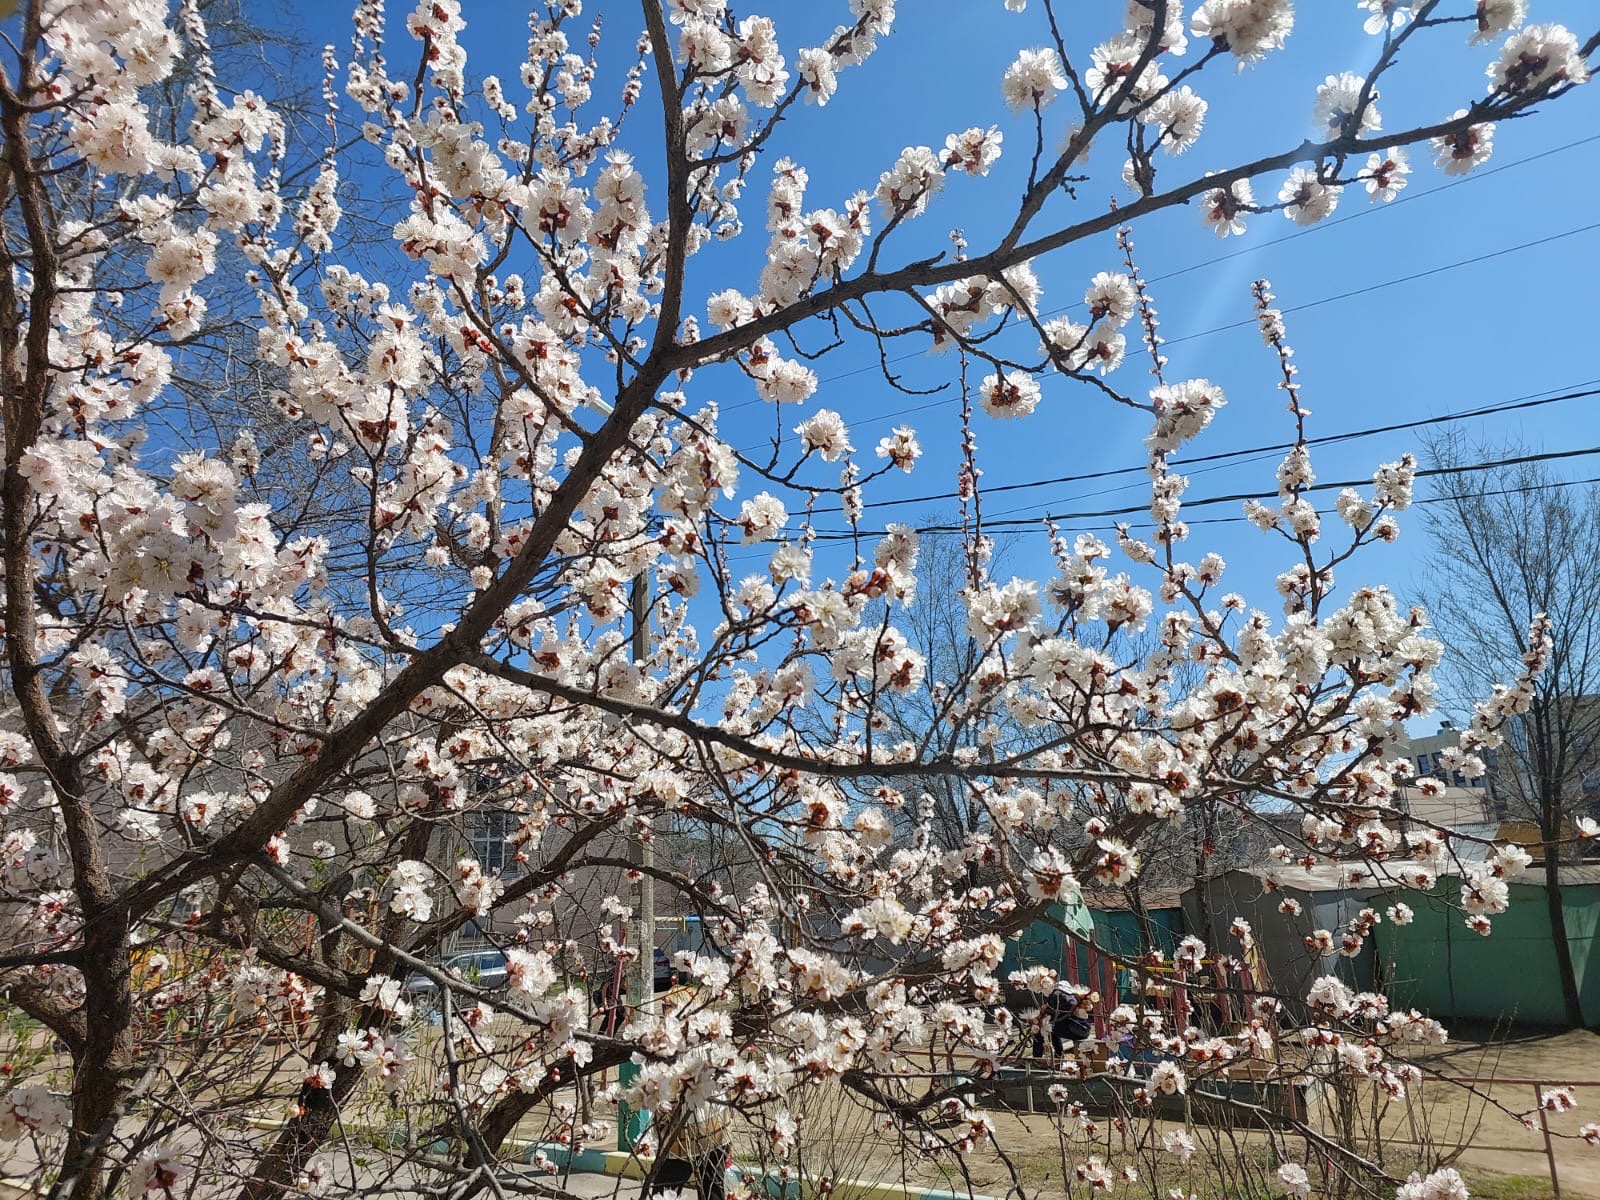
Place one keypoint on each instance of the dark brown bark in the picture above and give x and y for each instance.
(1141, 914)
(1515, 549)
(306, 1132)
(103, 1061)
(1565, 968)
(501, 1121)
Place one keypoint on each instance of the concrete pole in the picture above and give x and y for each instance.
(644, 855)
(631, 1125)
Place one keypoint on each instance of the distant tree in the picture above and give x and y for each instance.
(1508, 544)
(946, 811)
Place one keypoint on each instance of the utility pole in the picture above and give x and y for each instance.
(631, 1125)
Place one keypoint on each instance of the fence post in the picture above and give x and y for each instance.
(1549, 1146)
(1093, 978)
(1219, 972)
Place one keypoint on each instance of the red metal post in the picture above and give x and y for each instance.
(1549, 1146)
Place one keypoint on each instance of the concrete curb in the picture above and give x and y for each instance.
(621, 1165)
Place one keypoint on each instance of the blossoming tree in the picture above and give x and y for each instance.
(249, 745)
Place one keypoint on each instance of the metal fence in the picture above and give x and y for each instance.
(1483, 1085)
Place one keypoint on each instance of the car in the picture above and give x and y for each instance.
(665, 975)
(485, 969)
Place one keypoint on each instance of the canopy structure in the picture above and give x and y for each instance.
(1043, 944)
(1327, 899)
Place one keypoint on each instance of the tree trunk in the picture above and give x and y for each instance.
(304, 1134)
(103, 1073)
(300, 1139)
(1202, 897)
(1550, 758)
(1141, 914)
(1558, 927)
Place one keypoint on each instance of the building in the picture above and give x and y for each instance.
(1427, 757)
(1563, 741)
(1464, 809)
(1124, 931)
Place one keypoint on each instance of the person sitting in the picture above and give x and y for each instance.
(1066, 1010)
(698, 1145)
(698, 1151)
(609, 1006)
(609, 1003)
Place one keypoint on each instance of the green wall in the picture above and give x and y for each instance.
(1118, 930)
(1041, 944)
(1438, 965)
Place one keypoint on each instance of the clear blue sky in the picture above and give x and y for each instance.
(1510, 326)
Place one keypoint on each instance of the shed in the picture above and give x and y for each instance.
(1118, 929)
(1438, 965)
(1329, 897)
(1041, 944)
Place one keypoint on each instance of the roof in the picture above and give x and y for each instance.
(1335, 877)
(1448, 807)
(1116, 899)
(1576, 876)
(1326, 877)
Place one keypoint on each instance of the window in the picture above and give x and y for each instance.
(490, 828)
(1422, 764)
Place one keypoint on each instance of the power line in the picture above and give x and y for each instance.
(1245, 453)
(1532, 400)
(1520, 489)
(1250, 321)
(1244, 251)
(1371, 209)
(1373, 287)
(1233, 498)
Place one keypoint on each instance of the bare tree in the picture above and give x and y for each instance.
(1509, 544)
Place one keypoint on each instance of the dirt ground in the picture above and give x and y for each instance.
(1472, 1106)
(1500, 1143)
(1473, 1116)
(1483, 1119)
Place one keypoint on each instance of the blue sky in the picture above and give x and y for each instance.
(1513, 325)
